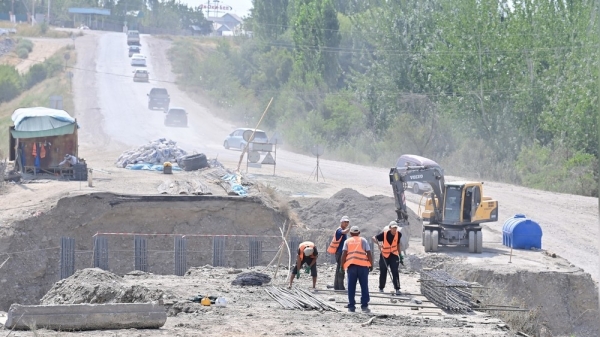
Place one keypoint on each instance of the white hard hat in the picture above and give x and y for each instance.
(308, 251)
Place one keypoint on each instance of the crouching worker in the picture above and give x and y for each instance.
(307, 256)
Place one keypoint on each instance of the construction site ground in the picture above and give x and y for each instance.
(559, 282)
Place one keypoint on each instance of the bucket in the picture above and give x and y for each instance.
(80, 172)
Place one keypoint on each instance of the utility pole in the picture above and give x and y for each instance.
(48, 17)
(32, 12)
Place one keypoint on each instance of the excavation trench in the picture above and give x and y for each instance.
(34, 244)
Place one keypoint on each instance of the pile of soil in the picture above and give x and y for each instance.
(97, 286)
(371, 214)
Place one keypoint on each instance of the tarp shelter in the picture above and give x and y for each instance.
(41, 137)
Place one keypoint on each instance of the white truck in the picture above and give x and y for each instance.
(133, 38)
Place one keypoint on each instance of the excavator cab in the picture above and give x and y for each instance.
(464, 203)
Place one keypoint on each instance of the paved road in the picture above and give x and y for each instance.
(570, 223)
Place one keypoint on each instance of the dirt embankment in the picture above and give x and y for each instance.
(563, 303)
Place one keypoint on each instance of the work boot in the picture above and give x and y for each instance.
(397, 293)
(351, 310)
(365, 310)
(346, 306)
(380, 290)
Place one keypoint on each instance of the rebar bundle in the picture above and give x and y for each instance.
(297, 298)
(447, 292)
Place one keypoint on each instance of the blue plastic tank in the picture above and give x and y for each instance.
(520, 232)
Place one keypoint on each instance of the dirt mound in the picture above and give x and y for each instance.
(97, 286)
(251, 279)
(371, 214)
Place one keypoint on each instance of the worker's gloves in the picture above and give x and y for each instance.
(401, 260)
(306, 269)
(341, 270)
(298, 275)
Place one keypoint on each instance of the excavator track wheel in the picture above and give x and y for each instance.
(427, 241)
(434, 241)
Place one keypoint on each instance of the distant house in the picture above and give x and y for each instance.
(226, 25)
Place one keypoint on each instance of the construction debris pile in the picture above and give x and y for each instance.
(297, 298)
(251, 279)
(447, 292)
(97, 286)
(232, 183)
(155, 152)
(184, 187)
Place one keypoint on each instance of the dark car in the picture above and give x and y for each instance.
(159, 98)
(176, 117)
(134, 50)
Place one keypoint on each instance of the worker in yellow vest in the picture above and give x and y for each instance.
(335, 248)
(358, 262)
(307, 254)
(390, 247)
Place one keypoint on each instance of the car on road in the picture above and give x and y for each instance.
(134, 50)
(176, 117)
(133, 37)
(238, 138)
(406, 160)
(138, 60)
(159, 98)
(141, 75)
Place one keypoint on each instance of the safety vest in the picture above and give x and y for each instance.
(356, 254)
(388, 248)
(306, 244)
(333, 246)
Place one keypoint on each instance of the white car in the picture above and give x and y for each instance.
(138, 60)
(141, 75)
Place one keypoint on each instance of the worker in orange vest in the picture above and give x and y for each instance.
(358, 262)
(307, 254)
(335, 248)
(390, 247)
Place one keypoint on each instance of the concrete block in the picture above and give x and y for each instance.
(68, 317)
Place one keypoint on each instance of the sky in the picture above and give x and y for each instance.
(240, 7)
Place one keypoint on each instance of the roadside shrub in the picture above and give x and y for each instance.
(24, 43)
(22, 53)
(44, 28)
(557, 168)
(36, 74)
(10, 83)
(53, 65)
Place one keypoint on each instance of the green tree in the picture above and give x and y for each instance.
(316, 40)
(269, 18)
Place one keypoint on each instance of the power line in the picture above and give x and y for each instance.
(457, 93)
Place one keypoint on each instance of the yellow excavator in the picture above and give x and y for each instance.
(453, 211)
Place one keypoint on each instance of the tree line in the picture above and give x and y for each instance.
(496, 90)
(165, 14)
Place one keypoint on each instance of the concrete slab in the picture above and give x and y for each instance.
(69, 317)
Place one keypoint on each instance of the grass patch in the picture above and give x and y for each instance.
(27, 30)
(38, 95)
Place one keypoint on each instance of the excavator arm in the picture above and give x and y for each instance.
(431, 175)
